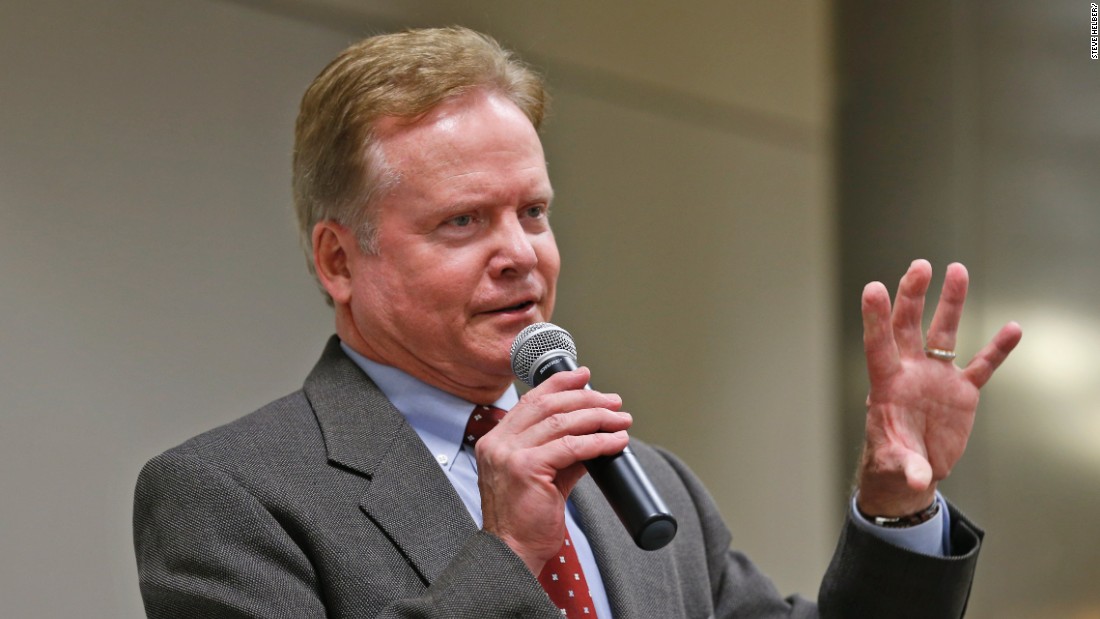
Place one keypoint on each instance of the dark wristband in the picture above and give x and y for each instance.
(904, 522)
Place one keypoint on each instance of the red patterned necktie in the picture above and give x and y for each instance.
(562, 577)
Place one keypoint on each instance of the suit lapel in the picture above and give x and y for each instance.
(409, 498)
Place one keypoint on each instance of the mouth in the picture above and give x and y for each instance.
(520, 307)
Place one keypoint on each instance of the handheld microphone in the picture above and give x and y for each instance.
(542, 350)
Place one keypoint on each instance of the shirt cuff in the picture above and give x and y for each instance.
(928, 538)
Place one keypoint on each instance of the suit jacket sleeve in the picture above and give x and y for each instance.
(867, 578)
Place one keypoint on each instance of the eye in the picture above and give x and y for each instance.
(537, 211)
(461, 221)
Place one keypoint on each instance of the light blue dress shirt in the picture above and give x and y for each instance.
(439, 418)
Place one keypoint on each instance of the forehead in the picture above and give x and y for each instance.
(478, 132)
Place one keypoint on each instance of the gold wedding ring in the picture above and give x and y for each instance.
(940, 353)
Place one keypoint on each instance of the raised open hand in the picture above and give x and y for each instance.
(920, 409)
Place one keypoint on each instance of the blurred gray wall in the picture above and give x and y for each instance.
(152, 287)
(969, 130)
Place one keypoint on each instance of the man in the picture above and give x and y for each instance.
(423, 197)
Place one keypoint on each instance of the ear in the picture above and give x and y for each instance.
(333, 247)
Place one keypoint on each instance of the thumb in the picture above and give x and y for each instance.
(918, 472)
(568, 477)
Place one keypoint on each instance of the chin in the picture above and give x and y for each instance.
(497, 367)
(494, 354)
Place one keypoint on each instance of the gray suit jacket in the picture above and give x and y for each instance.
(325, 503)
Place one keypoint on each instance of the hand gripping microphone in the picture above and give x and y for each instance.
(543, 349)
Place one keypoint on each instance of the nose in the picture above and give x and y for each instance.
(513, 252)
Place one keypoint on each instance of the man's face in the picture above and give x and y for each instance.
(466, 257)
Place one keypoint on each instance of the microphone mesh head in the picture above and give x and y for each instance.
(534, 342)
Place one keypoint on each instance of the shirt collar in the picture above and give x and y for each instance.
(438, 417)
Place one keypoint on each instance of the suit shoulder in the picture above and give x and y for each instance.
(656, 456)
(285, 427)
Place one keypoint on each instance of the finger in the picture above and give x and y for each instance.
(569, 450)
(878, 336)
(533, 409)
(560, 393)
(574, 423)
(945, 323)
(981, 367)
(564, 381)
(909, 308)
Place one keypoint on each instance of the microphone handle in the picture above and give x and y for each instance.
(623, 482)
